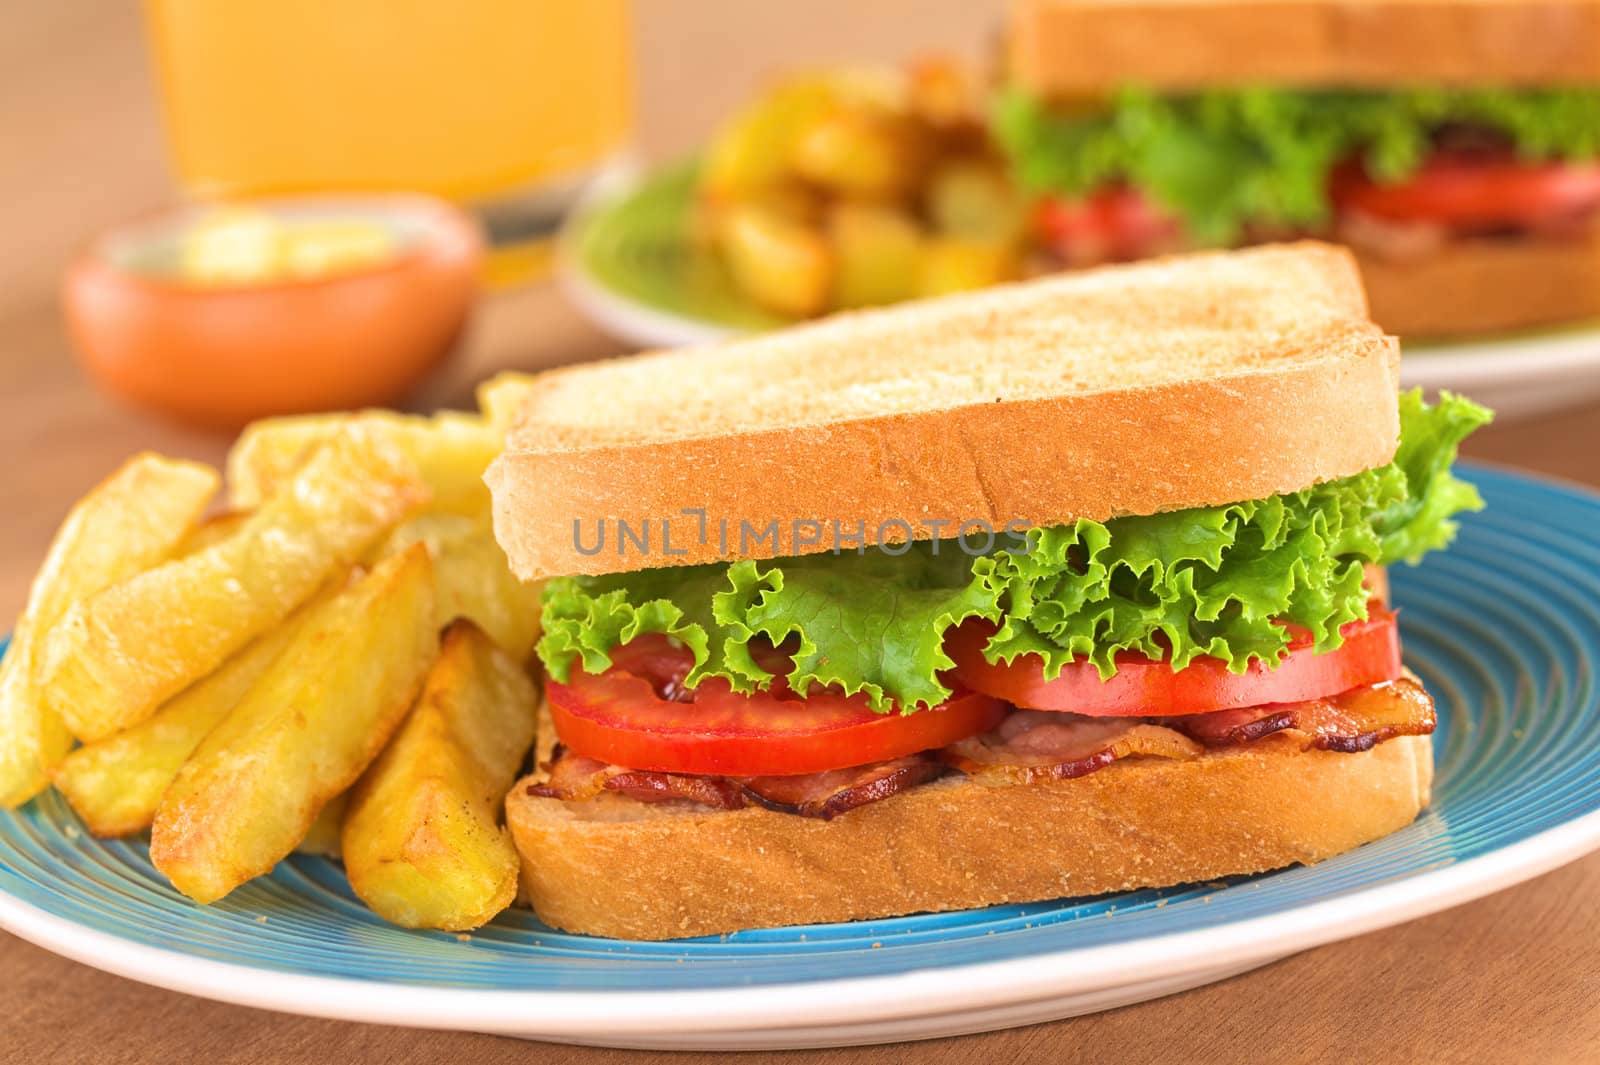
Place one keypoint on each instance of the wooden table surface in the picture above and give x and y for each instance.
(1514, 977)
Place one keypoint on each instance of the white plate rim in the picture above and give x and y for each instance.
(1490, 361)
(635, 322)
(905, 996)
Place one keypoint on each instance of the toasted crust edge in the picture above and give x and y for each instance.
(1075, 47)
(1486, 286)
(620, 869)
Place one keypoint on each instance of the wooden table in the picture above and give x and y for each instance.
(1514, 977)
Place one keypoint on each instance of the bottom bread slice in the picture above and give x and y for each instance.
(617, 867)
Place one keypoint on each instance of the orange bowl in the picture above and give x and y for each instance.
(219, 356)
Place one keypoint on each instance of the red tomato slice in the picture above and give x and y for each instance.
(637, 714)
(1114, 223)
(1370, 653)
(1474, 190)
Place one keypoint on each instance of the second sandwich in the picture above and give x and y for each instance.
(1452, 145)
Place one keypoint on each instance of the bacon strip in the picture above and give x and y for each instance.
(574, 778)
(718, 792)
(826, 795)
(1034, 745)
(1354, 721)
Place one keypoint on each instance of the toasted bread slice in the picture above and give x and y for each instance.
(1477, 286)
(1080, 47)
(1175, 383)
(615, 867)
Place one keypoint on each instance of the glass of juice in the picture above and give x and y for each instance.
(508, 106)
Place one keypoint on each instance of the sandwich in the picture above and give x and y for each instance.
(1451, 144)
(1060, 588)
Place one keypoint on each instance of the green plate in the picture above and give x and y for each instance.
(630, 260)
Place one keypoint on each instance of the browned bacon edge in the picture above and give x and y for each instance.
(824, 795)
(1357, 720)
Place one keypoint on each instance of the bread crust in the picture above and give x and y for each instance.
(1245, 374)
(1077, 47)
(1483, 286)
(614, 867)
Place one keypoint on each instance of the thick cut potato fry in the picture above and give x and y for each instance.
(322, 839)
(500, 399)
(783, 265)
(423, 841)
(213, 530)
(861, 154)
(116, 784)
(754, 151)
(751, 153)
(451, 450)
(951, 265)
(302, 735)
(135, 519)
(877, 248)
(974, 200)
(115, 658)
(472, 578)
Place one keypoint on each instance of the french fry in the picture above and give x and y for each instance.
(754, 151)
(322, 839)
(304, 733)
(451, 450)
(423, 841)
(116, 784)
(750, 154)
(715, 222)
(215, 529)
(135, 519)
(972, 199)
(952, 265)
(877, 247)
(861, 153)
(114, 658)
(783, 265)
(500, 399)
(472, 578)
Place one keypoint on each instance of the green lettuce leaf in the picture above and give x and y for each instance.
(1175, 586)
(1229, 158)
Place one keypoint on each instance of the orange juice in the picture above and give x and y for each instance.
(475, 100)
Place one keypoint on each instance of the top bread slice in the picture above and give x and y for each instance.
(1173, 383)
(1081, 47)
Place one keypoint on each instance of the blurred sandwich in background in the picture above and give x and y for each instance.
(1450, 144)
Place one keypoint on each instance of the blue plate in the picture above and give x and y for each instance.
(1504, 628)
